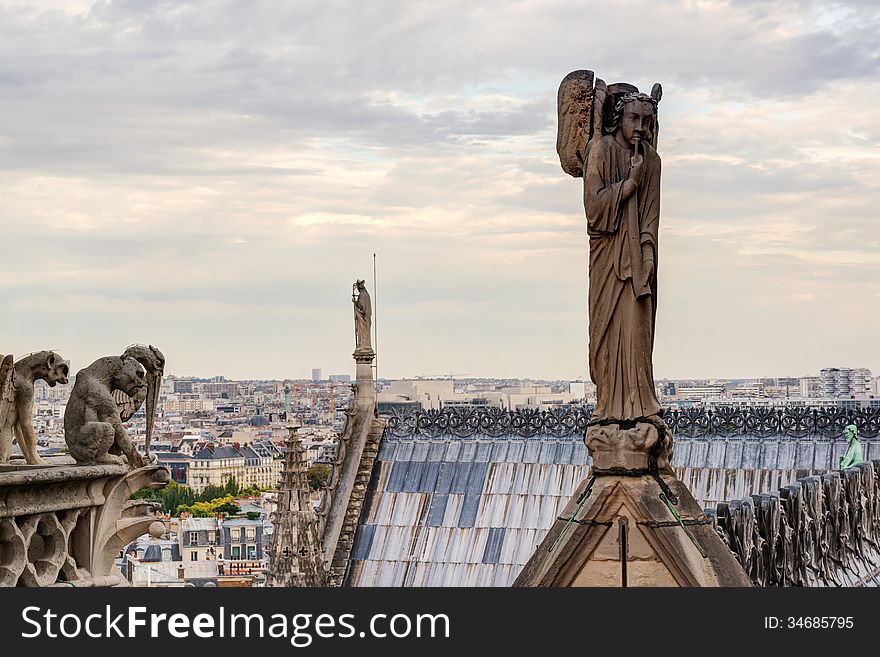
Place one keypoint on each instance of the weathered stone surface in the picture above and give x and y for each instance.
(639, 573)
(296, 558)
(630, 446)
(17, 419)
(608, 135)
(664, 538)
(574, 104)
(363, 317)
(622, 205)
(104, 438)
(659, 551)
(355, 509)
(64, 525)
(153, 361)
(7, 392)
(638, 547)
(819, 531)
(343, 499)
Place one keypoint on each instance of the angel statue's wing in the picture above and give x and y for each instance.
(574, 109)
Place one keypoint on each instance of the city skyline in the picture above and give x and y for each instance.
(211, 182)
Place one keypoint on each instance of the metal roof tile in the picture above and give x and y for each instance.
(468, 451)
(436, 451)
(469, 510)
(404, 451)
(363, 541)
(805, 454)
(499, 450)
(460, 477)
(494, 541)
(399, 471)
(483, 451)
(445, 475)
(412, 477)
(428, 479)
(515, 451)
(733, 453)
(420, 451)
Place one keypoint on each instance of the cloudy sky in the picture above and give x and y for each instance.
(210, 177)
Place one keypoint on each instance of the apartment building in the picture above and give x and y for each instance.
(258, 463)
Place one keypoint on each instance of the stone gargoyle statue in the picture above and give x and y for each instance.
(18, 421)
(93, 427)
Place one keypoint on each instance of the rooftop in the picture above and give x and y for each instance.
(462, 497)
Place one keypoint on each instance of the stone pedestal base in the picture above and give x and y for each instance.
(629, 445)
(632, 522)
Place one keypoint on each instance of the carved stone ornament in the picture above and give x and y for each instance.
(65, 525)
(820, 531)
(640, 446)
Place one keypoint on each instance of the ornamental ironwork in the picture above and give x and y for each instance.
(792, 421)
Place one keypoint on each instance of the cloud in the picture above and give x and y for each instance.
(212, 176)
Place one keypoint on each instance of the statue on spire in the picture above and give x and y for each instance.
(363, 316)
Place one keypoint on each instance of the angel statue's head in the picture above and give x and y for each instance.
(634, 117)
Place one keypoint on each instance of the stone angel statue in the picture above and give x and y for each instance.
(607, 135)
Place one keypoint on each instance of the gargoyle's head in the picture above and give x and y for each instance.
(150, 357)
(57, 369)
(130, 376)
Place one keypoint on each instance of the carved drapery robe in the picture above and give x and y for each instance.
(363, 311)
(621, 324)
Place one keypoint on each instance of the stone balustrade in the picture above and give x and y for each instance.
(63, 524)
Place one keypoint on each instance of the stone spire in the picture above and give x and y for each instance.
(359, 442)
(296, 558)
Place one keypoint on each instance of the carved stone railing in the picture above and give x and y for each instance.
(821, 530)
(789, 421)
(64, 525)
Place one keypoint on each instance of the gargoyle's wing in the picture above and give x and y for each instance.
(7, 395)
(126, 405)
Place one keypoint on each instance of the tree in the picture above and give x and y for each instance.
(212, 493)
(227, 508)
(232, 487)
(318, 475)
(211, 507)
(174, 498)
(195, 510)
(169, 498)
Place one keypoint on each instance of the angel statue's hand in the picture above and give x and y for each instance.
(637, 170)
